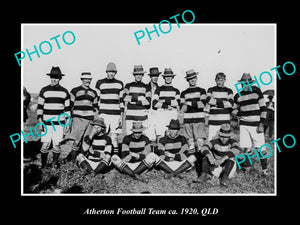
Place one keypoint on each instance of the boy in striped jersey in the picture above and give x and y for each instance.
(136, 153)
(175, 157)
(251, 108)
(192, 103)
(137, 97)
(84, 106)
(220, 100)
(166, 101)
(111, 102)
(53, 100)
(96, 149)
(218, 156)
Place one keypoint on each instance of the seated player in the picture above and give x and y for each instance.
(96, 149)
(175, 157)
(218, 156)
(136, 153)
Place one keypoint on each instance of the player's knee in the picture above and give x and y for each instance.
(192, 159)
(116, 160)
(151, 158)
(80, 157)
(45, 147)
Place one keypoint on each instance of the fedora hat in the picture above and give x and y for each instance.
(225, 130)
(111, 67)
(174, 125)
(168, 73)
(137, 126)
(190, 74)
(55, 72)
(86, 75)
(138, 69)
(245, 77)
(99, 121)
(154, 72)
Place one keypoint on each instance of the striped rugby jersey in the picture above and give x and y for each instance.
(137, 95)
(220, 100)
(101, 145)
(52, 101)
(140, 146)
(84, 102)
(196, 99)
(167, 93)
(176, 147)
(219, 150)
(250, 107)
(111, 96)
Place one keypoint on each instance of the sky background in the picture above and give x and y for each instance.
(244, 48)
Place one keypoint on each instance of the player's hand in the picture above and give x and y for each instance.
(210, 159)
(260, 128)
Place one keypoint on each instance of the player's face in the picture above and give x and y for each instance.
(154, 79)
(138, 77)
(86, 82)
(193, 81)
(220, 82)
(172, 133)
(98, 129)
(168, 80)
(224, 140)
(137, 135)
(54, 81)
(111, 74)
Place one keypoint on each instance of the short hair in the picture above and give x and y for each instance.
(220, 75)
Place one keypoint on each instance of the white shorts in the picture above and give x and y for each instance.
(249, 134)
(162, 119)
(111, 121)
(212, 131)
(55, 135)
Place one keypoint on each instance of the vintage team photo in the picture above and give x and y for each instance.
(103, 115)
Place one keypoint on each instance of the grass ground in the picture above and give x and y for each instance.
(115, 183)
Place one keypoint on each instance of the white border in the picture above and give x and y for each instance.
(147, 195)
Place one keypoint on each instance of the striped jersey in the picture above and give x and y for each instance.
(220, 100)
(52, 101)
(219, 150)
(101, 144)
(84, 102)
(170, 149)
(169, 96)
(140, 146)
(195, 99)
(250, 107)
(110, 99)
(137, 96)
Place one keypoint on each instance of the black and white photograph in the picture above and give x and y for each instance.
(152, 111)
(129, 109)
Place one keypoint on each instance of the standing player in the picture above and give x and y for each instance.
(137, 97)
(192, 103)
(53, 100)
(153, 85)
(111, 102)
(84, 106)
(250, 106)
(166, 101)
(220, 100)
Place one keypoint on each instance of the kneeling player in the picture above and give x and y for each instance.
(97, 149)
(136, 153)
(175, 157)
(218, 156)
